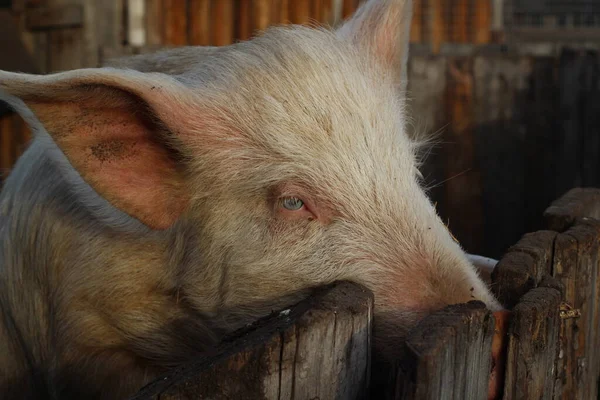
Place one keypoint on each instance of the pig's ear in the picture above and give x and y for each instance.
(116, 128)
(382, 28)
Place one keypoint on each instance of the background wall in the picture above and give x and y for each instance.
(516, 105)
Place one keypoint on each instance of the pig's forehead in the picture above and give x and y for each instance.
(308, 84)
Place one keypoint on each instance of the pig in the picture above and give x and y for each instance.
(169, 199)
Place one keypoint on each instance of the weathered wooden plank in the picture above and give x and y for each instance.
(90, 40)
(174, 14)
(523, 267)
(416, 26)
(576, 203)
(54, 17)
(199, 22)
(459, 23)
(136, 23)
(448, 355)
(590, 118)
(223, 31)
(464, 191)
(154, 22)
(565, 270)
(327, 12)
(533, 336)
(316, 10)
(281, 13)
(300, 11)
(109, 22)
(348, 8)
(482, 22)
(319, 348)
(261, 15)
(576, 265)
(499, 84)
(578, 150)
(12, 47)
(243, 26)
(65, 49)
(426, 86)
(437, 25)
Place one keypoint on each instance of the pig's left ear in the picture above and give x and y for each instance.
(382, 29)
(118, 129)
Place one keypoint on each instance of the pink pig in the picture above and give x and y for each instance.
(174, 197)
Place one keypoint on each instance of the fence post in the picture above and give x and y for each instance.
(319, 348)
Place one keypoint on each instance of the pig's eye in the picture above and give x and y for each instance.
(291, 203)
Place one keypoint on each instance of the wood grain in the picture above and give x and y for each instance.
(319, 348)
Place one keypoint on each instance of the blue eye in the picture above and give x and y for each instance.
(291, 203)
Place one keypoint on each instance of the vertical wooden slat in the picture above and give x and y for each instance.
(65, 49)
(416, 26)
(244, 27)
(327, 13)
(136, 29)
(175, 22)
(90, 39)
(348, 8)
(499, 82)
(300, 11)
(437, 24)
(110, 22)
(580, 333)
(222, 17)
(199, 20)
(532, 344)
(577, 214)
(316, 10)
(154, 22)
(40, 51)
(283, 11)
(459, 23)
(336, 12)
(565, 270)
(445, 356)
(65, 46)
(261, 15)
(482, 22)
(463, 181)
(426, 84)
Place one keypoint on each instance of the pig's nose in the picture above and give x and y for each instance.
(498, 355)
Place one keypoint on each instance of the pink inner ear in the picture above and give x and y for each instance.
(117, 151)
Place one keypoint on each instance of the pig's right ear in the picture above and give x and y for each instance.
(117, 129)
(381, 29)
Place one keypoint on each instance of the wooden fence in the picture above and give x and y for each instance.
(320, 348)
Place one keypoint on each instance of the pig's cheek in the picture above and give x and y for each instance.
(288, 231)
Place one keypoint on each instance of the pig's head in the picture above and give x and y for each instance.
(285, 160)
